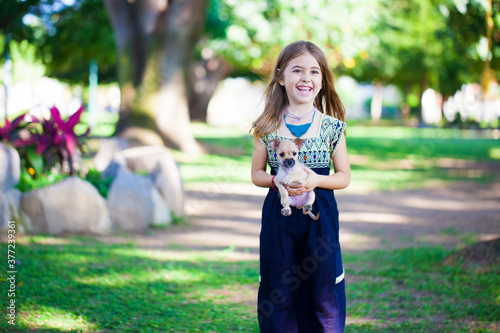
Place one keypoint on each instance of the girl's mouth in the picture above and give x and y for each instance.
(304, 90)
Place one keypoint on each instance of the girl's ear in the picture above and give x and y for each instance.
(274, 143)
(281, 81)
(299, 142)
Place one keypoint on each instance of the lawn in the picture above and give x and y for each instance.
(77, 284)
(382, 158)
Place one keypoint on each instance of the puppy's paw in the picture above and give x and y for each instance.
(286, 211)
(292, 181)
(287, 180)
(307, 208)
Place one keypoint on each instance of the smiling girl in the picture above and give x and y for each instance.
(302, 287)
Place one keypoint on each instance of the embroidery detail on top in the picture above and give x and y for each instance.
(316, 151)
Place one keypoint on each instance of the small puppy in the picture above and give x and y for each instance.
(291, 172)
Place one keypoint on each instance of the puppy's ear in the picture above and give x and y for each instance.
(274, 143)
(299, 142)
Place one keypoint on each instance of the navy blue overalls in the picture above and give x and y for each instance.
(302, 286)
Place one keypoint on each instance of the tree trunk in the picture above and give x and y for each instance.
(424, 84)
(155, 40)
(405, 108)
(204, 78)
(376, 104)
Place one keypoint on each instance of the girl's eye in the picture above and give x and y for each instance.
(282, 154)
(296, 70)
(315, 72)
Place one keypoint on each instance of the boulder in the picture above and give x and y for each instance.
(10, 210)
(116, 163)
(108, 147)
(160, 164)
(10, 167)
(161, 212)
(137, 137)
(72, 205)
(134, 203)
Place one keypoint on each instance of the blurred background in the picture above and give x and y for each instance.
(417, 63)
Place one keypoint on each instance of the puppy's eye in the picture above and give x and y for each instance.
(294, 153)
(282, 154)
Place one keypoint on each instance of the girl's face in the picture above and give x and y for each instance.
(302, 80)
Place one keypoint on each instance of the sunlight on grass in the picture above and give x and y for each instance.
(74, 258)
(125, 279)
(48, 317)
(106, 125)
(181, 254)
(122, 288)
(495, 153)
(383, 158)
(237, 173)
(203, 130)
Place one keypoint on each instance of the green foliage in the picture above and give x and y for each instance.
(81, 33)
(28, 182)
(250, 34)
(26, 64)
(11, 18)
(462, 61)
(101, 184)
(66, 38)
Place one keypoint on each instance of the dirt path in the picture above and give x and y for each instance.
(228, 216)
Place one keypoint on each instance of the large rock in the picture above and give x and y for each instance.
(159, 163)
(108, 147)
(10, 167)
(161, 212)
(133, 202)
(72, 205)
(10, 210)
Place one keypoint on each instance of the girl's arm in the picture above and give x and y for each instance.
(259, 160)
(339, 180)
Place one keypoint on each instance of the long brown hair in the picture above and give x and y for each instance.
(327, 101)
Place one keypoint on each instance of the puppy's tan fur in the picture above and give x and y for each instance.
(292, 172)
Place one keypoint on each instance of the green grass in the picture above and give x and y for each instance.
(79, 284)
(383, 158)
(82, 284)
(105, 127)
(410, 290)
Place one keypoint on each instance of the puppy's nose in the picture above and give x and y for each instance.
(289, 162)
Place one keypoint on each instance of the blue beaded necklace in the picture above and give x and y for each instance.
(299, 130)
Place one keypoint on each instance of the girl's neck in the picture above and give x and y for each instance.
(300, 110)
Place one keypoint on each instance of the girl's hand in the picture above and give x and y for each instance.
(310, 183)
(295, 189)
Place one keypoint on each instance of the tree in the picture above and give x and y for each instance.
(404, 49)
(428, 43)
(79, 34)
(244, 38)
(464, 41)
(155, 42)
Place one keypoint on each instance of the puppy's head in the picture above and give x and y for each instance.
(287, 151)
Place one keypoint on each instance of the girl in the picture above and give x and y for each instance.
(302, 286)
